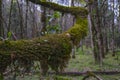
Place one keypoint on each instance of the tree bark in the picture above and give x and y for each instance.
(93, 33)
(34, 28)
(26, 20)
(119, 13)
(1, 26)
(99, 34)
(113, 33)
(44, 21)
(21, 21)
(9, 25)
(96, 30)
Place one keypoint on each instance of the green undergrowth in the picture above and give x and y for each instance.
(85, 61)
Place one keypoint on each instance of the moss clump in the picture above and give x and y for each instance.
(79, 30)
(51, 50)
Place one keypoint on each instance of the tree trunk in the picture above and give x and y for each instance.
(34, 27)
(119, 13)
(9, 25)
(26, 20)
(1, 26)
(93, 33)
(96, 30)
(21, 21)
(43, 20)
(113, 33)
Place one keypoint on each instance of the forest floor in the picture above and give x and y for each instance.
(84, 61)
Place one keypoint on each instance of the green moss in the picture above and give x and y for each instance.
(79, 30)
(64, 9)
(72, 10)
(50, 50)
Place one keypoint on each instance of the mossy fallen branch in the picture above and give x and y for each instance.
(52, 50)
(91, 74)
(64, 9)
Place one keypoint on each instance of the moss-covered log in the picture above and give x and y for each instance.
(64, 9)
(52, 50)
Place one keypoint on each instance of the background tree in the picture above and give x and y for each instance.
(1, 26)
